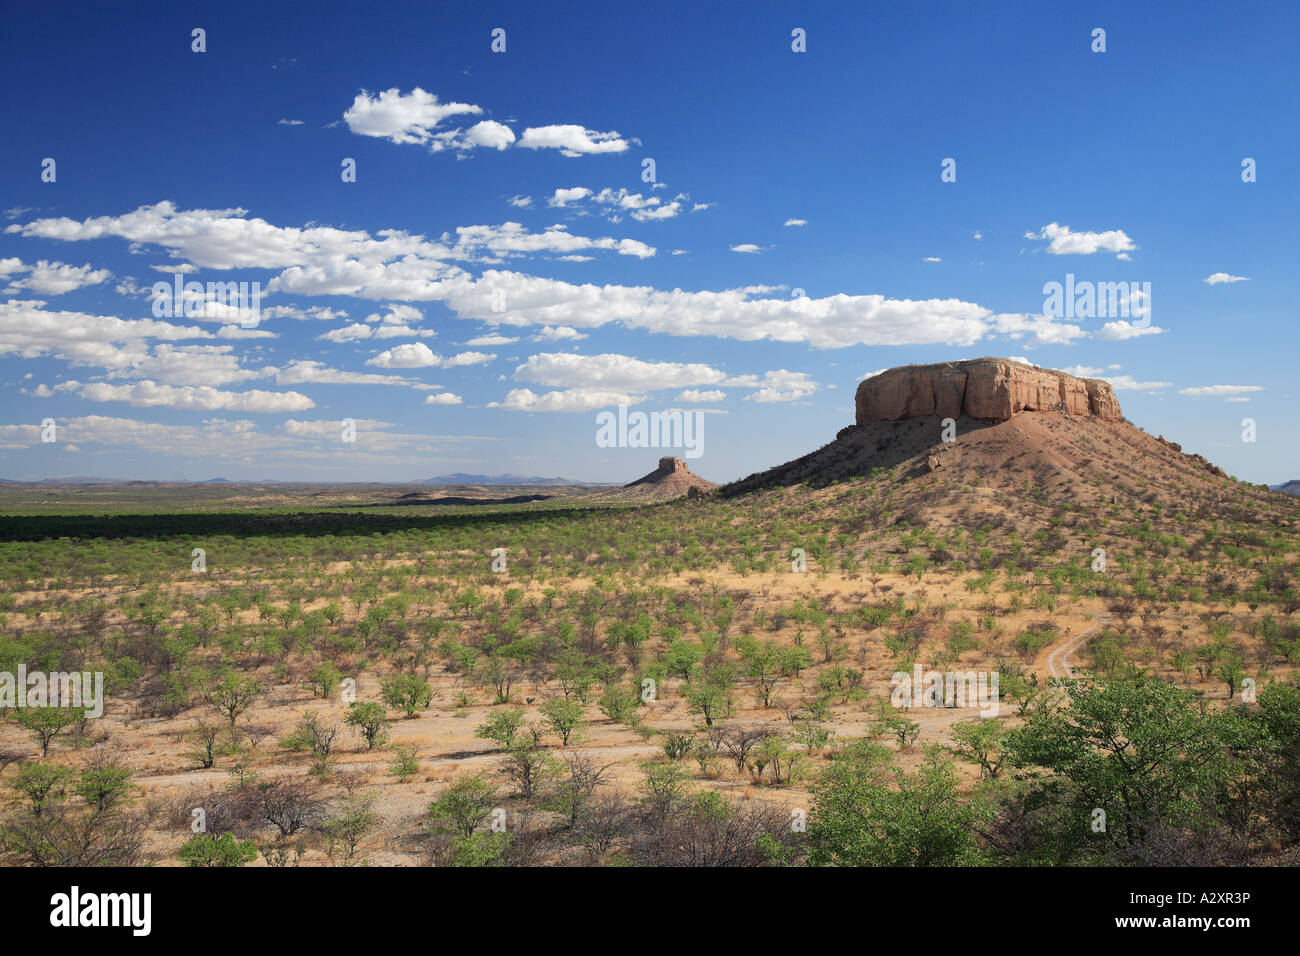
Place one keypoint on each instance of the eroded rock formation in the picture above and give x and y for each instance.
(991, 389)
(673, 476)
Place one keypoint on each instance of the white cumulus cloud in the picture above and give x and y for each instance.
(568, 400)
(1220, 390)
(52, 278)
(195, 398)
(401, 117)
(1121, 330)
(613, 372)
(572, 140)
(1063, 241)
(411, 355)
(696, 396)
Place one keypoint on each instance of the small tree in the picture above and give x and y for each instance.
(704, 755)
(45, 723)
(404, 763)
(503, 726)
(663, 787)
(370, 720)
(347, 827)
(500, 673)
(563, 717)
(681, 657)
(323, 680)
(104, 781)
(281, 853)
(776, 753)
(231, 695)
(256, 733)
(619, 705)
(1231, 673)
(740, 742)
(575, 789)
(763, 662)
(980, 742)
(464, 806)
(206, 748)
(710, 700)
(315, 736)
(288, 804)
(40, 781)
(603, 821)
(812, 735)
(527, 766)
(676, 746)
(904, 730)
(223, 851)
(407, 693)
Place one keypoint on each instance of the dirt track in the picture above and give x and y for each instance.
(1058, 658)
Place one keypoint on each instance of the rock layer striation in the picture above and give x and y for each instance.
(991, 389)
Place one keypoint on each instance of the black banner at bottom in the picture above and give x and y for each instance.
(196, 906)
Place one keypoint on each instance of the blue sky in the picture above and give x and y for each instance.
(501, 270)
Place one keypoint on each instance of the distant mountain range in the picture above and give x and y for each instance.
(459, 478)
(1291, 487)
(73, 480)
(91, 480)
(456, 479)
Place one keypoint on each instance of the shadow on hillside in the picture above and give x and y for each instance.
(856, 452)
(254, 524)
(408, 501)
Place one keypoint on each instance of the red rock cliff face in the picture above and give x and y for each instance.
(986, 388)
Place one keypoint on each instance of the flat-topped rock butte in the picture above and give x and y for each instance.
(673, 472)
(991, 389)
